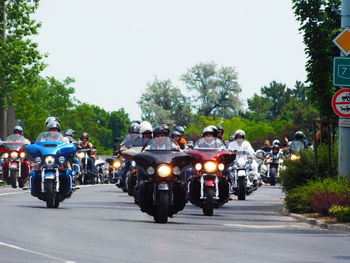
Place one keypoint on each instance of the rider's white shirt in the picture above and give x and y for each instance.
(244, 146)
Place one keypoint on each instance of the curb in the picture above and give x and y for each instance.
(320, 223)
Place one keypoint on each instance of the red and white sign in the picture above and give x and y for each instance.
(341, 103)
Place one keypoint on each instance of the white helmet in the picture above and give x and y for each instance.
(276, 142)
(239, 133)
(145, 126)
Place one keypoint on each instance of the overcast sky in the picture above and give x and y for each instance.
(113, 48)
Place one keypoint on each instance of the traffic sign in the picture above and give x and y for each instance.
(342, 41)
(341, 71)
(341, 103)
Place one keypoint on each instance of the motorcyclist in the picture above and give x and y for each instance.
(162, 133)
(183, 141)
(69, 135)
(267, 146)
(146, 135)
(84, 143)
(134, 134)
(240, 144)
(54, 128)
(18, 132)
(52, 119)
(210, 141)
(298, 144)
(220, 134)
(176, 136)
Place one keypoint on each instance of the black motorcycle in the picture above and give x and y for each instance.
(161, 189)
(87, 176)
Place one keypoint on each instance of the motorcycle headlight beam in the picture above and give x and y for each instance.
(210, 167)
(49, 160)
(241, 162)
(117, 164)
(5, 155)
(164, 170)
(13, 155)
(22, 154)
(198, 166)
(221, 166)
(80, 155)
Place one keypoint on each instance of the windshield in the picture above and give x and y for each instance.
(15, 138)
(161, 144)
(50, 136)
(243, 154)
(209, 143)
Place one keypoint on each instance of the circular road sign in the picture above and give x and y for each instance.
(341, 103)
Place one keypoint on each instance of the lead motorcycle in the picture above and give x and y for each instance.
(209, 185)
(52, 178)
(161, 189)
(15, 166)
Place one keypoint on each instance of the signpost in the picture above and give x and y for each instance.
(341, 103)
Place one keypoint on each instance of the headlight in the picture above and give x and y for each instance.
(294, 157)
(198, 166)
(117, 164)
(164, 170)
(221, 166)
(5, 155)
(176, 170)
(22, 154)
(61, 159)
(80, 155)
(150, 170)
(13, 155)
(241, 162)
(210, 167)
(49, 160)
(38, 160)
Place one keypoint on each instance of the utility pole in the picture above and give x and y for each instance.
(344, 132)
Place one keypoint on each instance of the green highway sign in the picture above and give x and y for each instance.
(341, 71)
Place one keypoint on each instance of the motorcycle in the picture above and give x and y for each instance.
(209, 187)
(161, 189)
(102, 177)
(115, 163)
(15, 166)
(86, 176)
(131, 174)
(273, 165)
(52, 178)
(243, 179)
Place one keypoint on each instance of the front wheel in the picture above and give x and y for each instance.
(241, 188)
(162, 207)
(50, 194)
(208, 205)
(13, 178)
(273, 173)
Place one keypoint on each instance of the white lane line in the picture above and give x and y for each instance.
(257, 226)
(13, 193)
(35, 253)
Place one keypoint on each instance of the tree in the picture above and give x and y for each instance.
(164, 103)
(20, 60)
(320, 23)
(119, 123)
(215, 90)
(267, 107)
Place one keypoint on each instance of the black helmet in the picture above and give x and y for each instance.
(180, 129)
(53, 125)
(69, 132)
(175, 133)
(160, 130)
(136, 121)
(299, 135)
(214, 129)
(220, 128)
(166, 128)
(134, 128)
(18, 128)
(84, 135)
(50, 119)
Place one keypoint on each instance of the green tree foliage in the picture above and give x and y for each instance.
(319, 24)
(164, 103)
(215, 90)
(20, 60)
(119, 123)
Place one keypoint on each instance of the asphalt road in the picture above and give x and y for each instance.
(102, 224)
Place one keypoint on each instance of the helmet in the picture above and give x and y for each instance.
(160, 130)
(208, 130)
(53, 125)
(166, 128)
(276, 142)
(145, 126)
(50, 119)
(84, 135)
(239, 133)
(69, 132)
(232, 138)
(180, 129)
(175, 133)
(136, 121)
(214, 129)
(220, 128)
(18, 128)
(260, 154)
(134, 128)
(299, 135)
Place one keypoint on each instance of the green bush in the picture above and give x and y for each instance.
(343, 215)
(299, 172)
(298, 200)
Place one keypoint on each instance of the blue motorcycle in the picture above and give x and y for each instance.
(52, 178)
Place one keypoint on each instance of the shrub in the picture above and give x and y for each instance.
(298, 200)
(344, 215)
